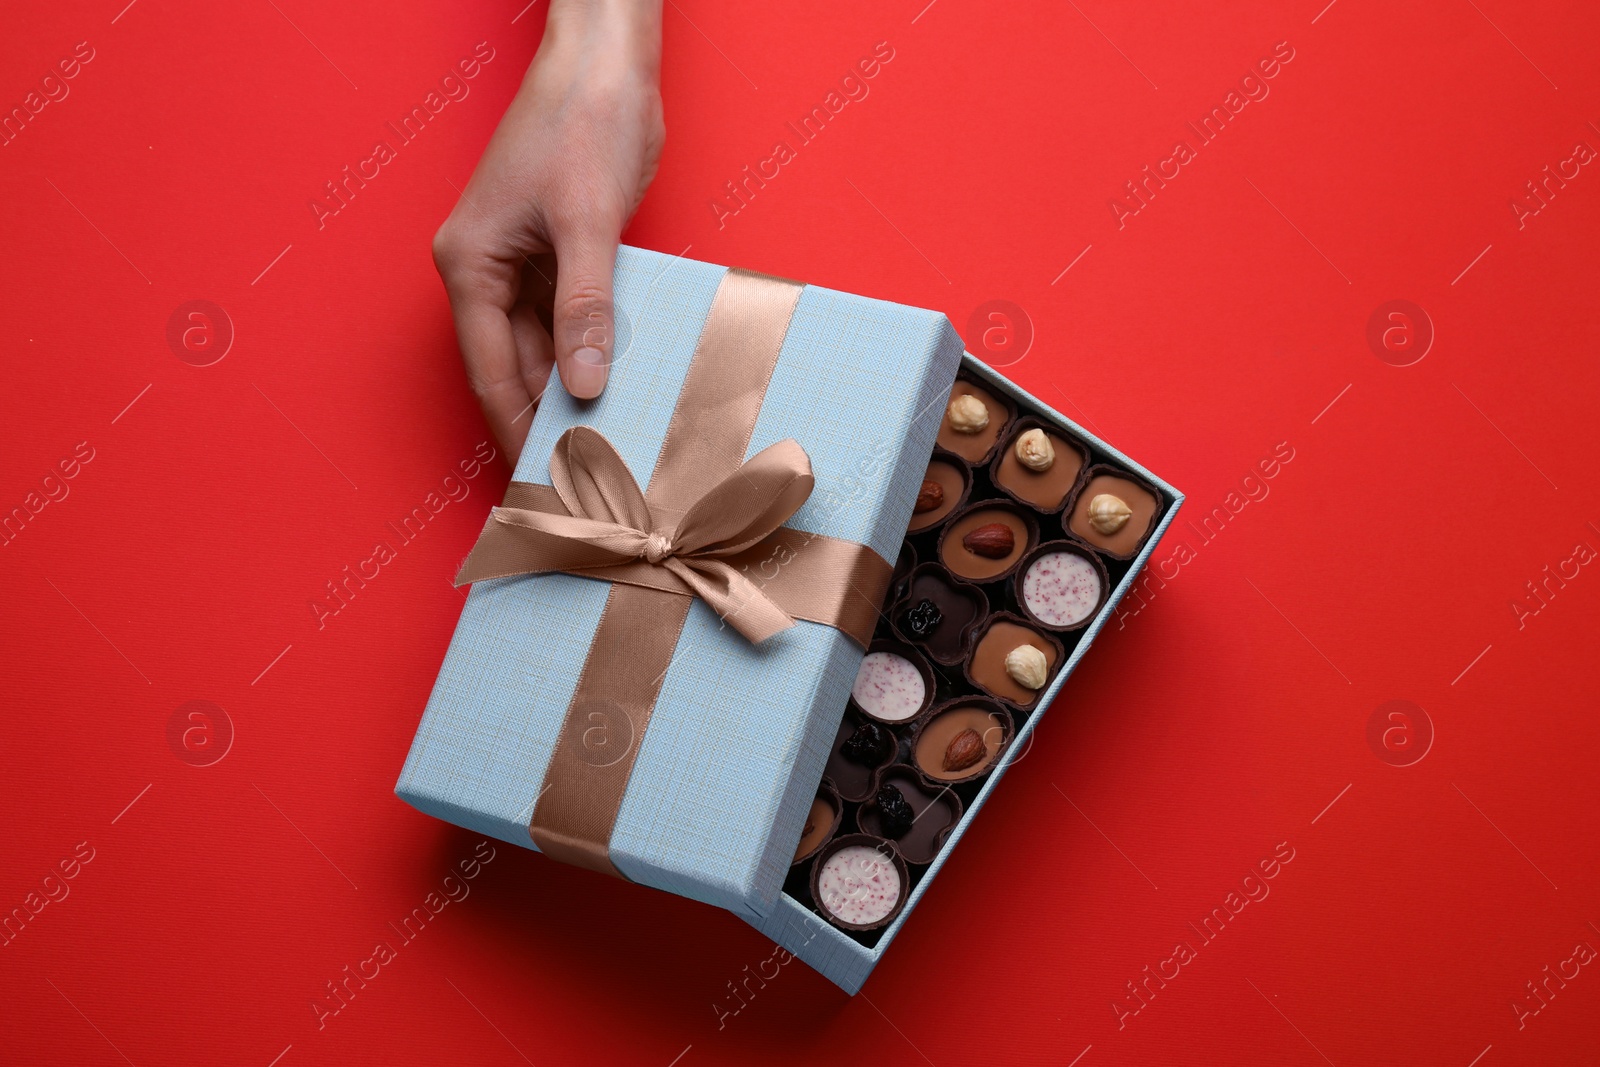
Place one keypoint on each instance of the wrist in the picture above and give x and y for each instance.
(632, 27)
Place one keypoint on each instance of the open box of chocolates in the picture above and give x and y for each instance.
(1024, 535)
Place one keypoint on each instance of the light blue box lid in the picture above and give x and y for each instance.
(737, 743)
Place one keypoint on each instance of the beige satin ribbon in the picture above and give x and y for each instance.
(704, 520)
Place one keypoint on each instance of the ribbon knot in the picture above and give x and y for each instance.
(609, 529)
(657, 547)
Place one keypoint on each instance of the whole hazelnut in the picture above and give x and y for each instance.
(967, 414)
(1035, 451)
(1027, 667)
(1108, 513)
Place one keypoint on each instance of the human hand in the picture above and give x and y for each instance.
(528, 251)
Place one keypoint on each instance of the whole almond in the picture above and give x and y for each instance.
(931, 496)
(992, 540)
(965, 750)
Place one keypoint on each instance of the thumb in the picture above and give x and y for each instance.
(583, 319)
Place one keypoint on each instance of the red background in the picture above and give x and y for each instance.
(1229, 715)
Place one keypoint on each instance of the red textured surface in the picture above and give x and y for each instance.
(1226, 320)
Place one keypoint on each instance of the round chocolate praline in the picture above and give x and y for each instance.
(939, 613)
(887, 883)
(942, 725)
(1092, 564)
(1140, 497)
(974, 567)
(1046, 490)
(936, 813)
(822, 822)
(886, 700)
(976, 448)
(985, 664)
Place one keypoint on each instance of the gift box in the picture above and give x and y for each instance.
(695, 777)
(625, 689)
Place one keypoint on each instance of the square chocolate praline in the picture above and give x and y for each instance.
(977, 448)
(985, 664)
(1141, 498)
(1047, 490)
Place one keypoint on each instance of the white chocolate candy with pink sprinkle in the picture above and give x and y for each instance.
(889, 687)
(1061, 588)
(858, 885)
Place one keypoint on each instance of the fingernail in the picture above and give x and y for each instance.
(588, 375)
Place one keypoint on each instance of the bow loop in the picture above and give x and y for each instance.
(609, 525)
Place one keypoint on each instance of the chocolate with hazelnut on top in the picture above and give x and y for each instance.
(968, 430)
(1012, 661)
(1038, 466)
(1113, 513)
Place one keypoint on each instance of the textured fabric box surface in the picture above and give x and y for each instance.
(840, 958)
(737, 742)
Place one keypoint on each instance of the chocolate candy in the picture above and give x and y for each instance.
(822, 821)
(855, 780)
(976, 446)
(1045, 489)
(1089, 522)
(1062, 585)
(934, 813)
(938, 613)
(950, 482)
(960, 740)
(985, 542)
(894, 684)
(870, 746)
(859, 882)
(987, 668)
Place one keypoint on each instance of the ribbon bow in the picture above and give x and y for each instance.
(609, 530)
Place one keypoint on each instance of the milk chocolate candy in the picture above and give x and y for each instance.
(1048, 489)
(1141, 500)
(960, 740)
(986, 666)
(944, 489)
(822, 822)
(976, 447)
(985, 541)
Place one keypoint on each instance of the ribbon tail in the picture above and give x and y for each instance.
(735, 599)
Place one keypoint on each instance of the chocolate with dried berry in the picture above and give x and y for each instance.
(928, 818)
(861, 748)
(938, 613)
